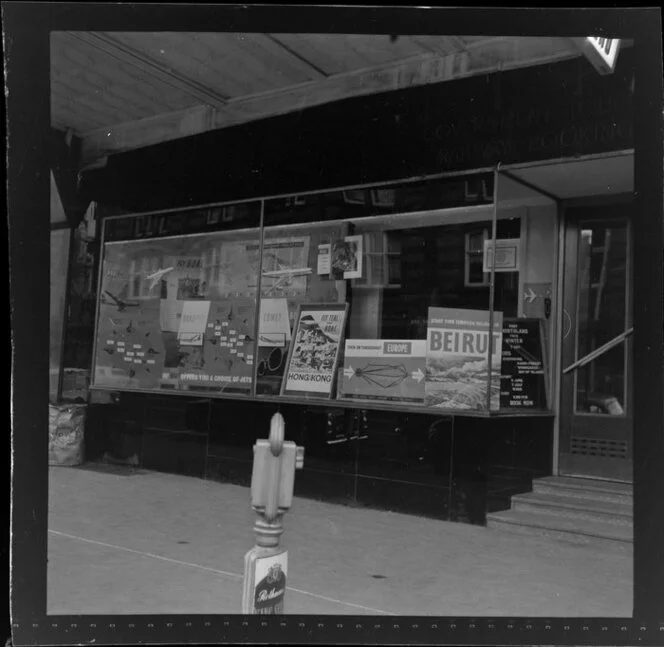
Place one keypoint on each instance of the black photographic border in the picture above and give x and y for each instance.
(26, 28)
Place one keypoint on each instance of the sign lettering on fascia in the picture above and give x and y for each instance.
(601, 52)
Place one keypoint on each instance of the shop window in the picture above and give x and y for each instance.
(60, 241)
(79, 323)
(383, 197)
(474, 275)
(382, 253)
(295, 310)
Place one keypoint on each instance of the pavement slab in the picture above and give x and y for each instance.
(138, 542)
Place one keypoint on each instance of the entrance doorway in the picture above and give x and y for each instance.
(596, 394)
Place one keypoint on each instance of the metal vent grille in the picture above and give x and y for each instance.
(599, 447)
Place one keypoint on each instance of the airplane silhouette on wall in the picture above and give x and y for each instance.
(121, 303)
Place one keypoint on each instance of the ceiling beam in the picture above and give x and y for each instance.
(301, 62)
(129, 56)
(457, 43)
(429, 46)
(419, 71)
(174, 125)
(99, 143)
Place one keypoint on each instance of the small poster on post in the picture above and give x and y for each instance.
(314, 350)
(457, 367)
(265, 580)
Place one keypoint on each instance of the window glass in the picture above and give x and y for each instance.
(350, 256)
(350, 282)
(601, 384)
(178, 312)
(397, 198)
(60, 239)
(292, 275)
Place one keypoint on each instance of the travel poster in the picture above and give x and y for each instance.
(274, 326)
(384, 369)
(224, 358)
(274, 335)
(523, 365)
(161, 317)
(130, 345)
(457, 353)
(314, 350)
(193, 319)
(284, 271)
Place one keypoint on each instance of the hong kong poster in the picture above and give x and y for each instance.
(314, 351)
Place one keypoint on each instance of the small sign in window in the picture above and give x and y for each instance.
(507, 255)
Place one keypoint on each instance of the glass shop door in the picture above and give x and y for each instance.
(596, 406)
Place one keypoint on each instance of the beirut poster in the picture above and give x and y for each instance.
(457, 367)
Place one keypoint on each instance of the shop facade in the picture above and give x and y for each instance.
(431, 285)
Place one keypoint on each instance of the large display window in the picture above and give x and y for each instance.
(371, 297)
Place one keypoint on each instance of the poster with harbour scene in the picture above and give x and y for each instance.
(457, 354)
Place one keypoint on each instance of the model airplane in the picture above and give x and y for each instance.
(155, 277)
(297, 271)
(121, 303)
(284, 275)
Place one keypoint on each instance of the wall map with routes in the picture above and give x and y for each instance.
(167, 321)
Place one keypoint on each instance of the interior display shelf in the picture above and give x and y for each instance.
(350, 404)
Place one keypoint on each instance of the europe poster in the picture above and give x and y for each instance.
(457, 354)
(384, 369)
(314, 350)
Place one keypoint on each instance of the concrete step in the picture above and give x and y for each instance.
(574, 507)
(585, 532)
(607, 491)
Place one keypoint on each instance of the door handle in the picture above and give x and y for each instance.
(598, 352)
(568, 318)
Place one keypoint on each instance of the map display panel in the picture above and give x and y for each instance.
(178, 313)
(384, 369)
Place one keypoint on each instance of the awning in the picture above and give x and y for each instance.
(590, 176)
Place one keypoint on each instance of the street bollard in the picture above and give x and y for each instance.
(272, 481)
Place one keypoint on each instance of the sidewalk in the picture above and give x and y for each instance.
(125, 541)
